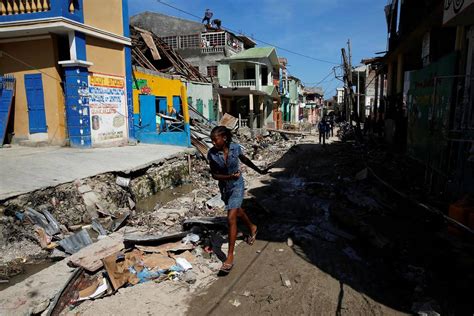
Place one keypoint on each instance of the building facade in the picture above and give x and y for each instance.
(72, 67)
(429, 89)
(202, 47)
(247, 87)
(160, 108)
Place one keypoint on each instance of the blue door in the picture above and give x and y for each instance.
(162, 107)
(7, 86)
(35, 100)
(177, 105)
(148, 113)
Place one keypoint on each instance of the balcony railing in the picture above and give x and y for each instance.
(213, 50)
(10, 7)
(13, 10)
(243, 83)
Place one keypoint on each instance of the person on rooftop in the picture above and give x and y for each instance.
(207, 16)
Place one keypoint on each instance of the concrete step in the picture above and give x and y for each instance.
(32, 143)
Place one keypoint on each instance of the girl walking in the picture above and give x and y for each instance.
(224, 160)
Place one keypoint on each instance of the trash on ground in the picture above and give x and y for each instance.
(96, 290)
(190, 238)
(285, 280)
(235, 302)
(76, 242)
(183, 263)
(216, 202)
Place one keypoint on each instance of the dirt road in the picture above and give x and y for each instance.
(357, 270)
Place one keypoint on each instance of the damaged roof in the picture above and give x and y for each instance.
(257, 53)
(151, 52)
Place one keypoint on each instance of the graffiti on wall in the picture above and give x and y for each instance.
(108, 108)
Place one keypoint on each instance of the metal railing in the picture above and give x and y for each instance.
(11, 7)
(213, 50)
(243, 83)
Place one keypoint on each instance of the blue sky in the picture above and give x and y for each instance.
(317, 28)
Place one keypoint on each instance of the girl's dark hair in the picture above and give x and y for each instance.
(222, 131)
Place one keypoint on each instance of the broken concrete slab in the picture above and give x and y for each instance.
(173, 247)
(143, 239)
(90, 258)
(220, 221)
(71, 162)
(36, 292)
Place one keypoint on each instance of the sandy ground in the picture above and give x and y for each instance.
(318, 271)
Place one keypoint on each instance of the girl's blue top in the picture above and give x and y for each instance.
(220, 166)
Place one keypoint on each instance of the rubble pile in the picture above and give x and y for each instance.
(126, 259)
(204, 200)
(89, 209)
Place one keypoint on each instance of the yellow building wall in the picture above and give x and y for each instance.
(42, 57)
(160, 87)
(107, 57)
(105, 15)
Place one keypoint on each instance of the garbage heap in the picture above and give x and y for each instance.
(136, 257)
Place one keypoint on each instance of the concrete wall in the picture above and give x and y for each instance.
(41, 54)
(201, 92)
(199, 60)
(293, 92)
(108, 57)
(172, 173)
(108, 18)
(223, 71)
(159, 86)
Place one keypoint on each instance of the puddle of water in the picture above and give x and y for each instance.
(162, 197)
(28, 270)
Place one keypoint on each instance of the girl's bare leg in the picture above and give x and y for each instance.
(232, 221)
(243, 216)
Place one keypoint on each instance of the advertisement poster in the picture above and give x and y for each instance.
(108, 107)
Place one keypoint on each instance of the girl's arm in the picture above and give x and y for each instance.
(249, 163)
(225, 177)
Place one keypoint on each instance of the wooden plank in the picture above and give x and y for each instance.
(148, 39)
(90, 258)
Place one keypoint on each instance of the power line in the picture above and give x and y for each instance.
(258, 40)
(324, 79)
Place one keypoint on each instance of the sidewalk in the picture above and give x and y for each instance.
(25, 169)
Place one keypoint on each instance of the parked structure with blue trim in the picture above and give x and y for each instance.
(79, 61)
(160, 109)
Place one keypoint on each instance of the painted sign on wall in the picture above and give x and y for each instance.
(108, 107)
(455, 8)
(429, 102)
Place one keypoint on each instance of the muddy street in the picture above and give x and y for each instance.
(337, 240)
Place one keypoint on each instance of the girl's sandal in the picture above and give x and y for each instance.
(251, 238)
(226, 268)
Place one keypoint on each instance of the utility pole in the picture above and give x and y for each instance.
(348, 83)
